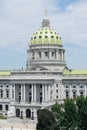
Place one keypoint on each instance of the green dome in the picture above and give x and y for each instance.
(46, 35)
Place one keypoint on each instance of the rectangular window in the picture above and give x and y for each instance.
(6, 107)
(74, 95)
(67, 94)
(56, 97)
(0, 107)
(7, 93)
(81, 94)
(1, 93)
(57, 91)
(56, 85)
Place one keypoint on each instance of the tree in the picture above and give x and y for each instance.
(56, 110)
(81, 103)
(46, 120)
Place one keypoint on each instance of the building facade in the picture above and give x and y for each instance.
(45, 80)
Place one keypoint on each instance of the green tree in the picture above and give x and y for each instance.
(69, 119)
(56, 110)
(46, 120)
(81, 103)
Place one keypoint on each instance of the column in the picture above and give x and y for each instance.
(14, 90)
(4, 91)
(50, 54)
(32, 92)
(46, 92)
(24, 93)
(35, 92)
(57, 57)
(70, 91)
(78, 93)
(43, 93)
(49, 92)
(42, 54)
(21, 92)
(11, 91)
(85, 90)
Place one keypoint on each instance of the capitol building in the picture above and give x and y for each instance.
(45, 80)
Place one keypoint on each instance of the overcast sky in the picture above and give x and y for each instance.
(19, 19)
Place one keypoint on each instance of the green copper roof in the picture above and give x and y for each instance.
(6, 73)
(75, 72)
(45, 35)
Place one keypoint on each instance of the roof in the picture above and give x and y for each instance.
(46, 35)
(75, 72)
(5, 72)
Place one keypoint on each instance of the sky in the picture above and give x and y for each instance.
(19, 19)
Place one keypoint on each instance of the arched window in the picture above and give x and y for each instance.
(28, 113)
(17, 113)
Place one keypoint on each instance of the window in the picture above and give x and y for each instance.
(74, 86)
(67, 94)
(1, 93)
(81, 86)
(7, 86)
(56, 97)
(67, 86)
(7, 93)
(53, 53)
(40, 37)
(74, 95)
(40, 32)
(81, 94)
(46, 36)
(47, 54)
(30, 93)
(12, 94)
(6, 107)
(56, 85)
(1, 86)
(0, 107)
(56, 37)
(40, 85)
(19, 86)
(29, 85)
(57, 91)
(30, 99)
(40, 99)
(34, 37)
(40, 94)
(52, 36)
(39, 54)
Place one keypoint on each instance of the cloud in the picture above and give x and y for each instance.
(20, 18)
